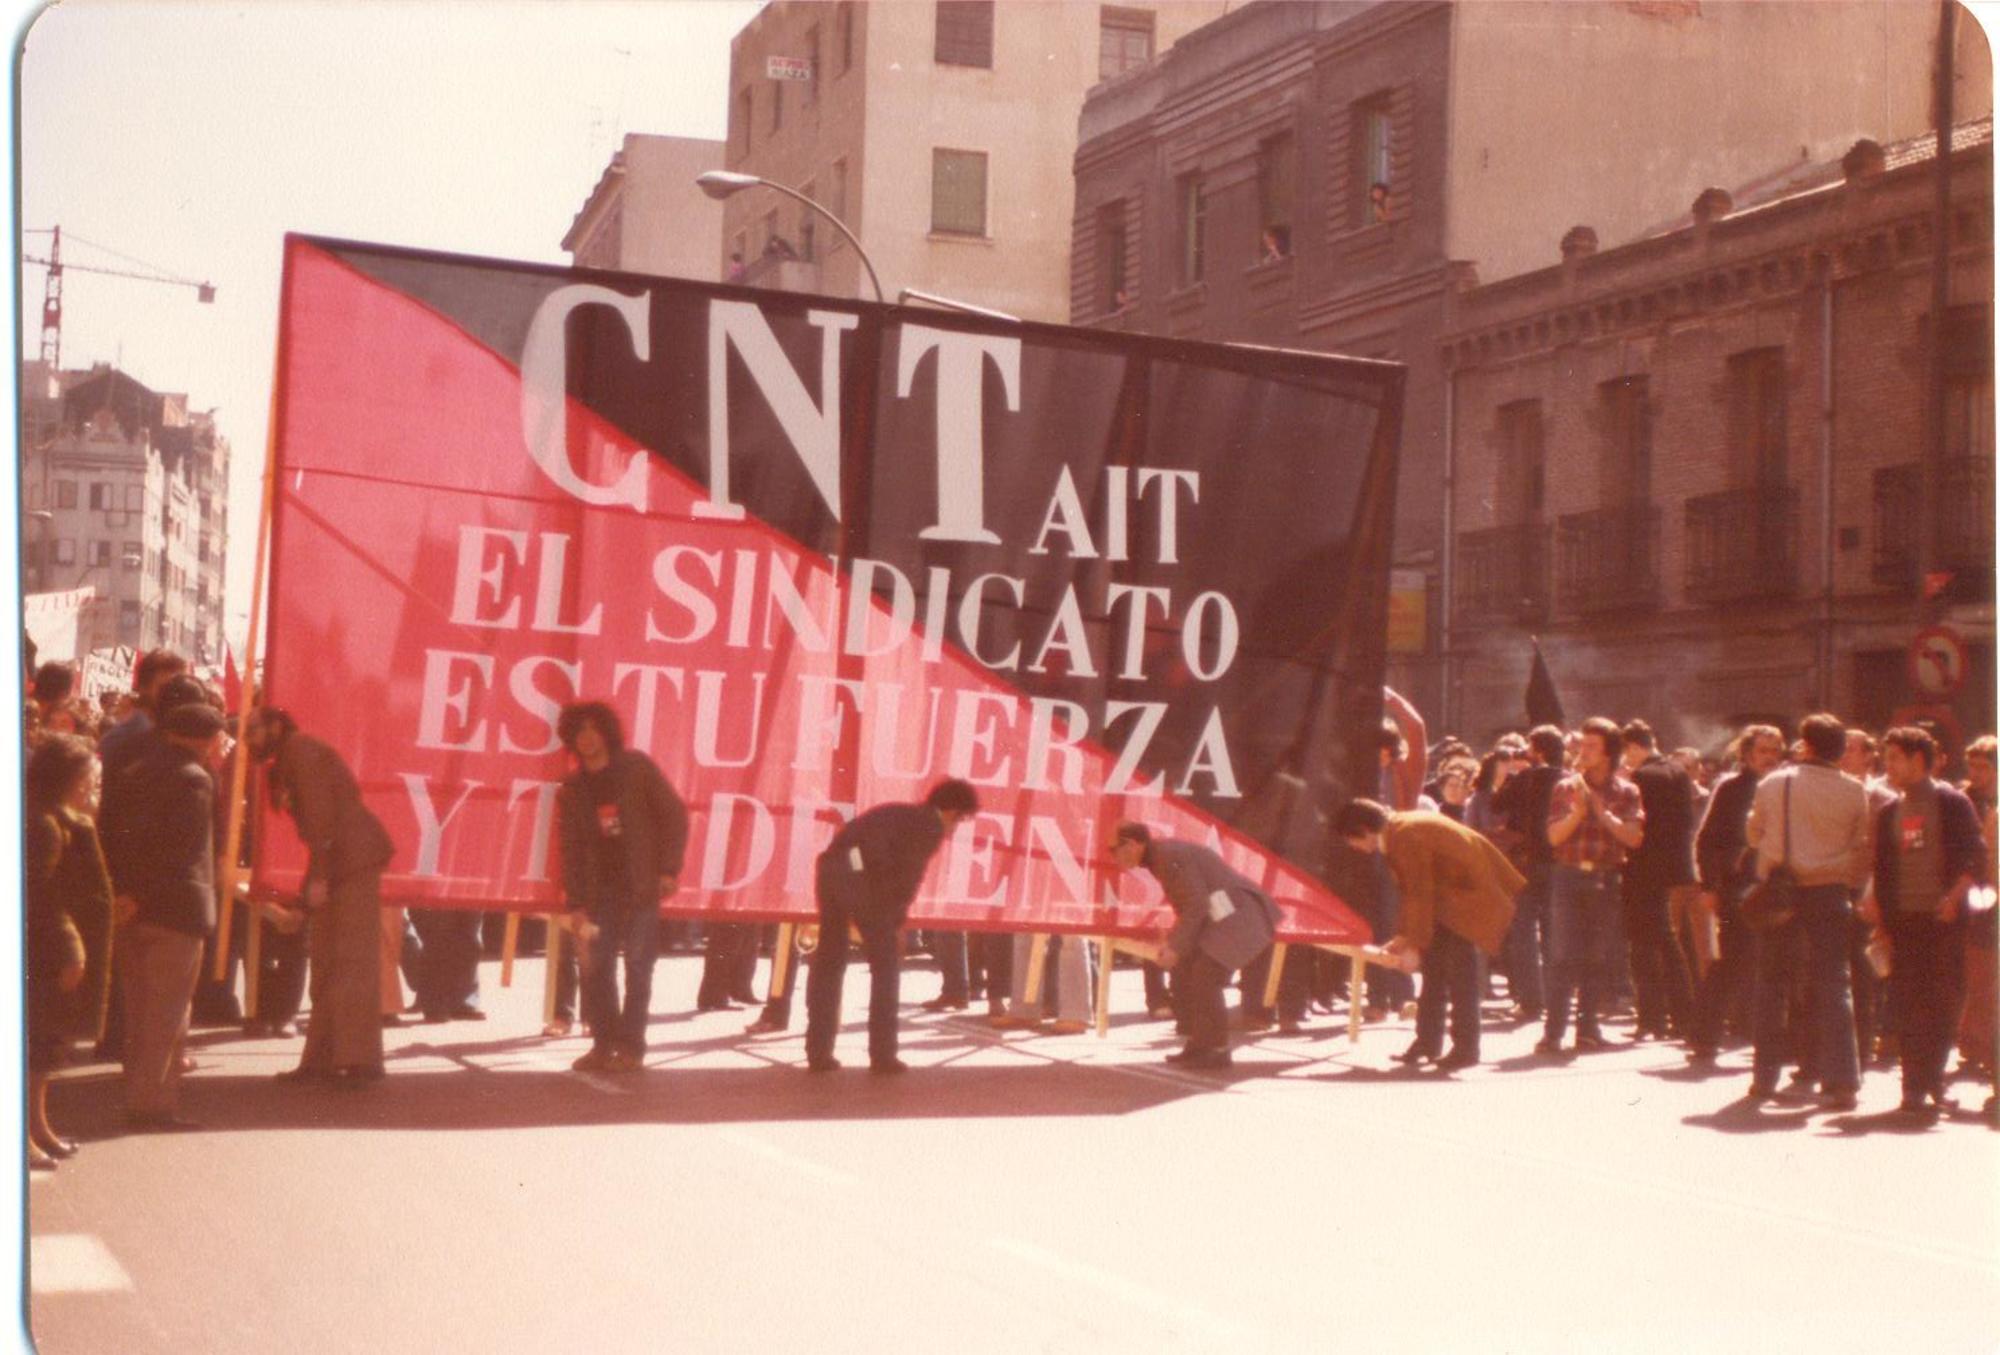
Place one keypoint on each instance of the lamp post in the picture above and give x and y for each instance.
(722, 183)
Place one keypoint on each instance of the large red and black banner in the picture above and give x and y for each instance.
(819, 554)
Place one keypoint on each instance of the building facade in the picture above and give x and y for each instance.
(1693, 465)
(645, 214)
(1329, 175)
(942, 133)
(125, 490)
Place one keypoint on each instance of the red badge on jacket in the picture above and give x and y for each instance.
(607, 820)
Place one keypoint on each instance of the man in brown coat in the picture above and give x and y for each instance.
(347, 850)
(1457, 901)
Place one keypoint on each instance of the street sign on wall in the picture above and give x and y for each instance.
(787, 68)
(1938, 663)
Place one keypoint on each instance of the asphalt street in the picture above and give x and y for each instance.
(1011, 1193)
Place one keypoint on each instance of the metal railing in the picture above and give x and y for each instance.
(1608, 560)
(1502, 575)
(1743, 543)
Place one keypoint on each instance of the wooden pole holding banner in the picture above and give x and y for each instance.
(781, 961)
(1277, 973)
(553, 951)
(253, 691)
(510, 942)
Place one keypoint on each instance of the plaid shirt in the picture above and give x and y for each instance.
(1590, 847)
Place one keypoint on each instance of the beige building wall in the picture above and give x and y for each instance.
(1709, 89)
(885, 117)
(646, 216)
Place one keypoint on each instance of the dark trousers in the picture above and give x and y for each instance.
(1725, 988)
(1199, 983)
(953, 961)
(1659, 971)
(1816, 942)
(1926, 987)
(1525, 954)
(729, 965)
(1871, 994)
(634, 931)
(1584, 910)
(447, 978)
(1158, 995)
(1453, 971)
(281, 976)
(215, 1001)
(829, 972)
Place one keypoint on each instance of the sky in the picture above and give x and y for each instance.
(192, 136)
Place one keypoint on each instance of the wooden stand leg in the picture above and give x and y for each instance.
(1106, 952)
(1357, 999)
(1276, 976)
(510, 941)
(552, 957)
(781, 961)
(1038, 954)
(253, 961)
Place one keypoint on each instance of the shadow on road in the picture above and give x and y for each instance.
(1744, 1116)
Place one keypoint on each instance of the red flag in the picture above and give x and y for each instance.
(232, 684)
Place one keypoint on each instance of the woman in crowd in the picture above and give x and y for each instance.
(69, 924)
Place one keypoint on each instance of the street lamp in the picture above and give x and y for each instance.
(722, 183)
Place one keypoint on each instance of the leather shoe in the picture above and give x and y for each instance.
(591, 1061)
(465, 1013)
(1839, 1101)
(1416, 1054)
(944, 1004)
(826, 1064)
(763, 1025)
(712, 1006)
(1456, 1060)
(1591, 1040)
(1549, 1044)
(301, 1075)
(1208, 1058)
(888, 1066)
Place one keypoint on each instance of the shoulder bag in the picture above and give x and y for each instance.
(1772, 902)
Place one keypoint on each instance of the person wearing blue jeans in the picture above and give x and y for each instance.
(1528, 942)
(624, 834)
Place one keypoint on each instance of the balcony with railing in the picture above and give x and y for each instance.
(1608, 560)
(1743, 544)
(1501, 576)
(1963, 544)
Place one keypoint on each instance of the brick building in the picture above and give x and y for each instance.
(941, 133)
(1690, 464)
(134, 487)
(1329, 174)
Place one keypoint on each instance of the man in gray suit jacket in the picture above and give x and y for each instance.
(1222, 923)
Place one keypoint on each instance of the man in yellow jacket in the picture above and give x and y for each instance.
(1457, 900)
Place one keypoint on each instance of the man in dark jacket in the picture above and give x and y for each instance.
(167, 903)
(1727, 868)
(1523, 804)
(1927, 858)
(868, 878)
(1662, 863)
(1222, 923)
(623, 833)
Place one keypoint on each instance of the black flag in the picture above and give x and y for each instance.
(1545, 705)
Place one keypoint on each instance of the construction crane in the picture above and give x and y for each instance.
(52, 290)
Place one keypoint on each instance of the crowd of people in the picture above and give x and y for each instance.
(1826, 901)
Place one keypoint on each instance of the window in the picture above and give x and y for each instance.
(1124, 40)
(844, 34)
(1275, 166)
(135, 498)
(133, 555)
(1518, 435)
(777, 104)
(65, 493)
(811, 91)
(1111, 260)
(1757, 415)
(808, 222)
(958, 192)
(745, 106)
(65, 551)
(100, 553)
(964, 33)
(1628, 441)
(1968, 384)
(1373, 152)
(128, 616)
(101, 497)
(1192, 226)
